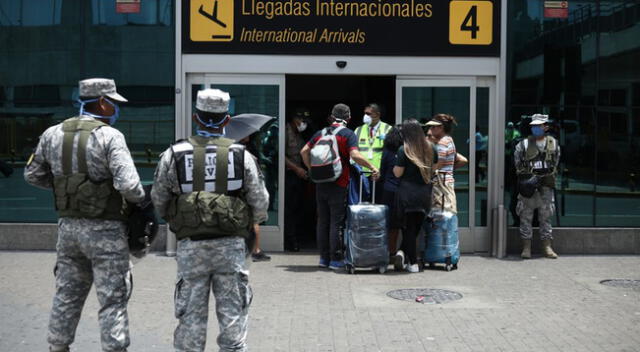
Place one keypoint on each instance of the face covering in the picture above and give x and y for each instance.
(367, 119)
(210, 124)
(537, 131)
(112, 119)
(302, 126)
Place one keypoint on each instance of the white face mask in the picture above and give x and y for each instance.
(302, 126)
(367, 119)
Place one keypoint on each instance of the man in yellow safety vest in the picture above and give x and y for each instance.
(371, 135)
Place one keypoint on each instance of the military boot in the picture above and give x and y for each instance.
(526, 249)
(547, 250)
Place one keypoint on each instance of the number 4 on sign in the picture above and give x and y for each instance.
(470, 22)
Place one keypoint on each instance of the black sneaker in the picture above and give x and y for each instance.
(260, 257)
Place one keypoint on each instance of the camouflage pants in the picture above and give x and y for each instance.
(91, 251)
(542, 200)
(216, 265)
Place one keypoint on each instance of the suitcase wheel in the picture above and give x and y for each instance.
(382, 269)
(448, 267)
(350, 269)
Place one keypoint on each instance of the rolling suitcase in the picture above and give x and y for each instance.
(441, 237)
(365, 237)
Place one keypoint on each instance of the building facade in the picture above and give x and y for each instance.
(489, 63)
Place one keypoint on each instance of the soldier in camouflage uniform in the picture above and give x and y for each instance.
(89, 167)
(210, 192)
(538, 155)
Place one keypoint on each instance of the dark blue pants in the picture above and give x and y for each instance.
(332, 207)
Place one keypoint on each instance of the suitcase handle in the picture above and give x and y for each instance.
(373, 192)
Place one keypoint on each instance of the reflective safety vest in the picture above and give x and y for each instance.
(76, 196)
(541, 162)
(371, 148)
(211, 174)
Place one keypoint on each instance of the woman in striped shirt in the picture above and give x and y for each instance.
(440, 128)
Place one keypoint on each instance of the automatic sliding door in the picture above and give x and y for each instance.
(423, 98)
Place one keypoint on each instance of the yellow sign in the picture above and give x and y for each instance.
(211, 20)
(470, 22)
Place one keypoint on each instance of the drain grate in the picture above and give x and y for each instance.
(624, 283)
(430, 295)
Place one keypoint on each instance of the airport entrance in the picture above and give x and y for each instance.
(400, 97)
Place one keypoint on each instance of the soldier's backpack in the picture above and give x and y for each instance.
(326, 165)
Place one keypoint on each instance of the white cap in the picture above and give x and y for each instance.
(100, 87)
(213, 100)
(539, 119)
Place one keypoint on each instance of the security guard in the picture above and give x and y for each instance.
(536, 161)
(210, 192)
(371, 135)
(89, 167)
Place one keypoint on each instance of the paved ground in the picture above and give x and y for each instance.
(508, 305)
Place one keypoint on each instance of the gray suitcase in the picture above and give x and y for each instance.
(365, 238)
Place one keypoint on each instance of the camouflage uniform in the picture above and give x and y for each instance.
(216, 264)
(90, 250)
(542, 199)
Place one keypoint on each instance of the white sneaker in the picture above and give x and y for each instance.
(398, 262)
(413, 268)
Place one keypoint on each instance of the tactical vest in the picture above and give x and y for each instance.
(541, 162)
(211, 174)
(372, 149)
(77, 196)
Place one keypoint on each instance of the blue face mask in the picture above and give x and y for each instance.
(112, 119)
(537, 131)
(210, 124)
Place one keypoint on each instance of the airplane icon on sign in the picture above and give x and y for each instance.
(214, 18)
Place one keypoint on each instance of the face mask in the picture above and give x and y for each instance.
(210, 124)
(302, 126)
(112, 119)
(367, 119)
(537, 131)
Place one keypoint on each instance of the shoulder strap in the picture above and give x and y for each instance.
(70, 127)
(222, 162)
(337, 129)
(550, 149)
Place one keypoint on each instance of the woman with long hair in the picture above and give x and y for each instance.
(414, 167)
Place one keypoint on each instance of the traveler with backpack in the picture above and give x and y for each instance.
(326, 156)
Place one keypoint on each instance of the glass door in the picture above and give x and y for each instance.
(468, 100)
(261, 94)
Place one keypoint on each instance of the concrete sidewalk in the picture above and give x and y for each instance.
(507, 305)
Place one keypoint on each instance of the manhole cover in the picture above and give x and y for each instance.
(425, 295)
(624, 283)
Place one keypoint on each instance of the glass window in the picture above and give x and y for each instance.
(34, 95)
(587, 83)
(30, 13)
(482, 157)
(152, 12)
(263, 144)
(422, 103)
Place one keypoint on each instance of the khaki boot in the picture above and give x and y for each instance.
(547, 250)
(526, 249)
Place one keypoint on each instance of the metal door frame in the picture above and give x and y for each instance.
(473, 238)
